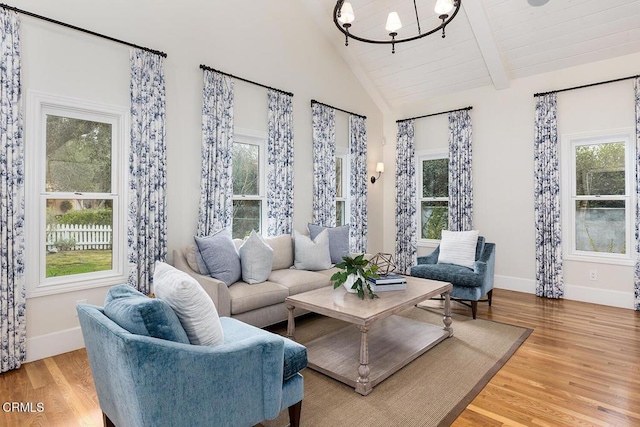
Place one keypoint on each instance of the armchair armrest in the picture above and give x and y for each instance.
(432, 258)
(485, 265)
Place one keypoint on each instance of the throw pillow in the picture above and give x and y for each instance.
(256, 259)
(141, 315)
(338, 240)
(192, 305)
(458, 247)
(311, 254)
(220, 257)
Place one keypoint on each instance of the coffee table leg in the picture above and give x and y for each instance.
(291, 326)
(362, 386)
(447, 314)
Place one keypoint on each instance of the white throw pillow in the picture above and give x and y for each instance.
(310, 254)
(256, 259)
(458, 247)
(192, 305)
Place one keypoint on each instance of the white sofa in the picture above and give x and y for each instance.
(260, 304)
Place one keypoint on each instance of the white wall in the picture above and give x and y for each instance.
(503, 129)
(274, 43)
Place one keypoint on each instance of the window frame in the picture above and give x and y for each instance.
(39, 106)
(251, 137)
(343, 154)
(569, 195)
(422, 156)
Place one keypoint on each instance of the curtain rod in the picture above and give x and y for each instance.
(584, 86)
(73, 27)
(435, 114)
(313, 101)
(206, 67)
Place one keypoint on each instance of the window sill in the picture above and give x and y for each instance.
(599, 260)
(53, 289)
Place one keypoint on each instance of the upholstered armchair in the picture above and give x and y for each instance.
(146, 381)
(469, 284)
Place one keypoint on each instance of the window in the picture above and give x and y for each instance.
(249, 203)
(75, 190)
(433, 195)
(598, 204)
(342, 189)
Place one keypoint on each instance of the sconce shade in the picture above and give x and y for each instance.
(443, 7)
(393, 22)
(380, 167)
(346, 14)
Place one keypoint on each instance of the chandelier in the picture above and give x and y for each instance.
(343, 17)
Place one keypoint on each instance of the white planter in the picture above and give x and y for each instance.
(349, 283)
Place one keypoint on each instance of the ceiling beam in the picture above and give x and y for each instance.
(487, 43)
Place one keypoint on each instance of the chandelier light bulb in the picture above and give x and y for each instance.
(346, 14)
(393, 22)
(444, 7)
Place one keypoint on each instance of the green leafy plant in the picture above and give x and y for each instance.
(359, 267)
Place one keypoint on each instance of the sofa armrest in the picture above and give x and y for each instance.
(216, 289)
(432, 258)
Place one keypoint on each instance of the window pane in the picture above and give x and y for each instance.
(435, 178)
(338, 176)
(600, 169)
(600, 226)
(434, 218)
(78, 155)
(246, 217)
(246, 169)
(78, 236)
(340, 213)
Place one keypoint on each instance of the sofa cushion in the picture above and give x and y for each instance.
(311, 254)
(220, 257)
(455, 274)
(282, 251)
(141, 315)
(458, 247)
(256, 259)
(338, 240)
(297, 281)
(190, 302)
(245, 297)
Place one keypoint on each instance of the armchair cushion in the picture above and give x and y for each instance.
(456, 274)
(141, 315)
(458, 247)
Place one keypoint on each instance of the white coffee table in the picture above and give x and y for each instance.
(377, 342)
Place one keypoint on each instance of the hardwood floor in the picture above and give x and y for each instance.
(580, 366)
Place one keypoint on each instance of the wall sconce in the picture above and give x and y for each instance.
(379, 169)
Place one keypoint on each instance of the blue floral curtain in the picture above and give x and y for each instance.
(406, 198)
(280, 164)
(147, 222)
(549, 271)
(216, 184)
(636, 86)
(460, 173)
(358, 184)
(324, 165)
(13, 327)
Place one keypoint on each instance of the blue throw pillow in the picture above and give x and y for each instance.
(338, 240)
(141, 315)
(220, 256)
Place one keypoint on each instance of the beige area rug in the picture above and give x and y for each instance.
(432, 390)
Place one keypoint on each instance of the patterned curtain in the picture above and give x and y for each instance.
(549, 278)
(13, 326)
(280, 164)
(406, 198)
(460, 176)
(324, 165)
(636, 86)
(358, 195)
(147, 223)
(216, 184)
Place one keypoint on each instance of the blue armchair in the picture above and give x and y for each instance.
(468, 284)
(146, 381)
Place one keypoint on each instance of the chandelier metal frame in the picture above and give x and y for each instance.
(345, 28)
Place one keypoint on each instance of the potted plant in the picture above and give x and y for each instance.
(354, 274)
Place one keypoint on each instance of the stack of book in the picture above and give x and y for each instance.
(388, 282)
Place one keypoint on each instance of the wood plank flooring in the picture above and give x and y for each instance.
(580, 367)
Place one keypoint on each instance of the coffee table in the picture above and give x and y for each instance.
(377, 342)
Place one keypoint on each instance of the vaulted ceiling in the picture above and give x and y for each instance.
(489, 42)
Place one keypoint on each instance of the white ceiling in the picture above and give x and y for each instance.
(488, 42)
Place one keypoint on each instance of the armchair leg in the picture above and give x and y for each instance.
(474, 308)
(106, 421)
(294, 414)
(489, 296)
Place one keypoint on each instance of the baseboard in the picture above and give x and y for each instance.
(571, 292)
(54, 343)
